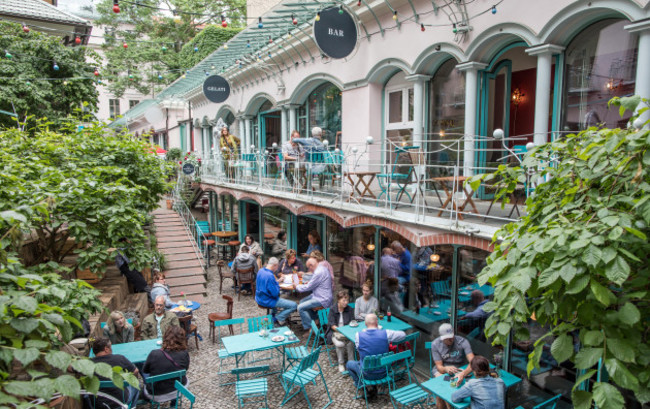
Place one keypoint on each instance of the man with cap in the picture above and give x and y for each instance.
(267, 293)
(449, 353)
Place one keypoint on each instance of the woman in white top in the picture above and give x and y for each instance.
(366, 304)
(254, 249)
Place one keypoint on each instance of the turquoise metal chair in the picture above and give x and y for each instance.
(549, 404)
(374, 363)
(295, 354)
(255, 323)
(334, 160)
(400, 176)
(152, 380)
(402, 368)
(300, 376)
(251, 388)
(441, 289)
(408, 396)
(427, 347)
(249, 163)
(323, 318)
(183, 392)
(222, 353)
(92, 399)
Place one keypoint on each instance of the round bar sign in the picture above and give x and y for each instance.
(188, 168)
(216, 88)
(335, 33)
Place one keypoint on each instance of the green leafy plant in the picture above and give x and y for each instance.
(578, 260)
(173, 155)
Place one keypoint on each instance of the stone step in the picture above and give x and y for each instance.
(177, 250)
(181, 256)
(178, 238)
(172, 265)
(188, 280)
(183, 272)
(165, 234)
(174, 244)
(116, 284)
(175, 292)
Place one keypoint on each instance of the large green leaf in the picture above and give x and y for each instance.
(623, 350)
(602, 294)
(629, 314)
(85, 366)
(27, 303)
(618, 271)
(587, 357)
(621, 375)
(26, 356)
(594, 338)
(68, 385)
(562, 348)
(607, 396)
(581, 399)
(59, 359)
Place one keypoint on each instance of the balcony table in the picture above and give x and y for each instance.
(136, 351)
(396, 325)
(239, 345)
(441, 388)
(456, 182)
(363, 181)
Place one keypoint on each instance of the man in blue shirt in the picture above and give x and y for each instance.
(267, 293)
(372, 341)
(405, 262)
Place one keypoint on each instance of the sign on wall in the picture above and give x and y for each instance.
(188, 168)
(216, 88)
(335, 32)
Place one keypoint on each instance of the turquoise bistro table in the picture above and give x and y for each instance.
(396, 325)
(137, 351)
(443, 389)
(239, 345)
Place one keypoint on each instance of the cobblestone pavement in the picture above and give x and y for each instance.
(204, 364)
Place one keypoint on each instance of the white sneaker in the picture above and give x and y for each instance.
(341, 368)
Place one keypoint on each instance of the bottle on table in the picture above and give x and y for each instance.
(388, 314)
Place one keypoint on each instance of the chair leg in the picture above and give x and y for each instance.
(196, 338)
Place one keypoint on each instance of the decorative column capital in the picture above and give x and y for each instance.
(638, 26)
(471, 66)
(417, 77)
(544, 49)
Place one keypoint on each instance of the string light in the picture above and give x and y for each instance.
(395, 15)
(270, 40)
(341, 9)
(224, 23)
(454, 29)
(196, 49)
(125, 45)
(65, 83)
(248, 43)
(294, 20)
(225, 46)
(116, 6)
(55, 66)
(259, 23)
(25, 28)
(494, 9)
(7, 55)
(317, 16)
(160, 77)
(269, 54)
(422, 27)
(96, 72)
(163, 48)
(359, 3)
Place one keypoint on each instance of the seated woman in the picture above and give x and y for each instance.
(290, 264)
(340, 315)
(254, 249)
(159, 288)
(117, 329)
(172, 357)
(314, 243)
(486, 390)
(279, 245)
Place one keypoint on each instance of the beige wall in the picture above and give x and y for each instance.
(256, 8)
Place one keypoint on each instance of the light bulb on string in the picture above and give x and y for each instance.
(259, 23)
(99, 82)
(225, 46)
(359, 3)
(196, 49)
(25, 28)
(160, 77)
(454, 29)
(422, 27)
(96, 72)
(55, 66)
(494, 9)
(65, 83)
(317, 16)
(395, 15)
(163, 48)
(207, 73)
(269, 54)
(294, 20)
(28, 83)
(125, 45)
(270, 40)
(77, 40)
(341, 9)
(184, 76)
(248, 43)
(116, 6)
(8, 55)
(224, 23)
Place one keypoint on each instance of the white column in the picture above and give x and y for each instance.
(292, 119)
(544, 55)
(283, 126)
(642, 86)
(418, 81)
(242, 131)
(471, 105)
(249, 137)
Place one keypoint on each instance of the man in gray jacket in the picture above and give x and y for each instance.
(244, 261)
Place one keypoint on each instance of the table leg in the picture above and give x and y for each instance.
(449, 197)
(367, 187)
(468, 200)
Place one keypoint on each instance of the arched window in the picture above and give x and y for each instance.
(600, 63)
(323, 109)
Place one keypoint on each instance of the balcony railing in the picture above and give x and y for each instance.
(397, 179)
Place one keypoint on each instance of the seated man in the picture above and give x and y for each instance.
(321, 287)
(103, 351)
(244, 261)
(154, 325)
(267, 293)
(117, 329)
(314, 145)
(160, 287)
(449, 352)
(292, 153)
(477, 317)
(372, 341)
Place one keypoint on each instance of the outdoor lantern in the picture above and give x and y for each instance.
(370, 247)
(498, 133)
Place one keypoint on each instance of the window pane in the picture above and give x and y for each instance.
(133, 103)
(411, 99)
(600, 64)
(395, 107)
(325, 112)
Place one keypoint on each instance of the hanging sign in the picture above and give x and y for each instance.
(335, 32)
(216, 88)
(188, 168)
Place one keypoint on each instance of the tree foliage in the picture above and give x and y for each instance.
(84, 184)
(159, 42)
(578, 260)
(30, 84)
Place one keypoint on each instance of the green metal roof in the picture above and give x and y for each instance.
(133, 113)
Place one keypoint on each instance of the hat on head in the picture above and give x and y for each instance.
(446, 331)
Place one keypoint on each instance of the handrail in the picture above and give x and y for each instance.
(189, 222)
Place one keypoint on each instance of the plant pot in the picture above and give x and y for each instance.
(170, 204)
